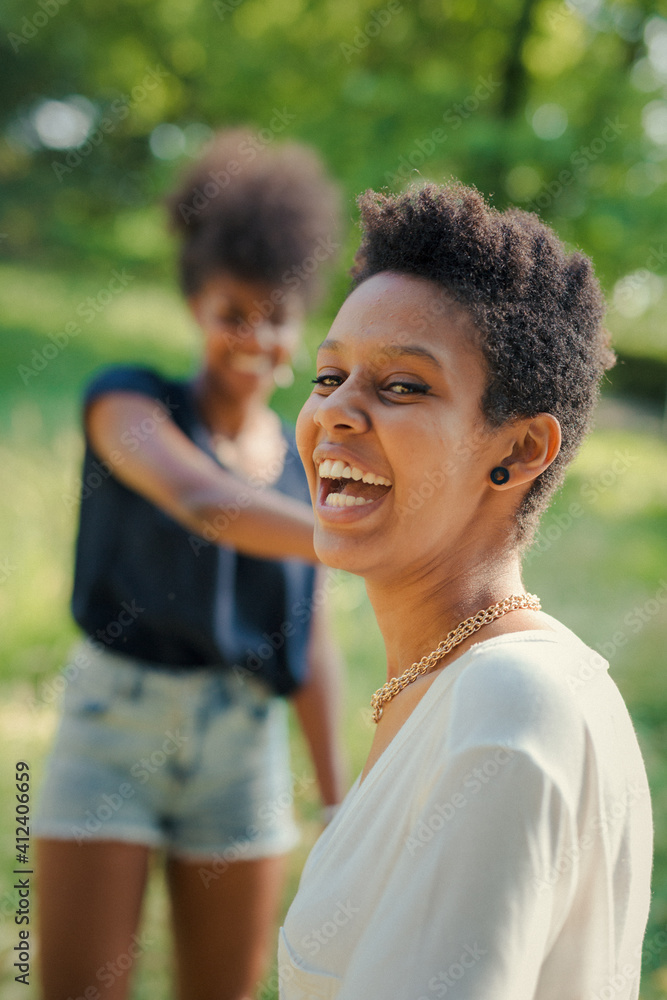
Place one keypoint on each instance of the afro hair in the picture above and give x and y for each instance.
(263, 211)
(536, 309)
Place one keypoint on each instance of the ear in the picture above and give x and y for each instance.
(536, 444)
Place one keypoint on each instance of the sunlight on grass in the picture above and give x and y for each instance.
(46, 302)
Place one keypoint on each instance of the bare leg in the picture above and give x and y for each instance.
(89, 905)
(224, 925)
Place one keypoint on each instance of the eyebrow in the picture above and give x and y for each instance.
(390, 351)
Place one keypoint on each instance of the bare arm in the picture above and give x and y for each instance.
(146, 451)
(317, 705)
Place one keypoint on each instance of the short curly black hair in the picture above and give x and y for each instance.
(263, 210)
(537, 310)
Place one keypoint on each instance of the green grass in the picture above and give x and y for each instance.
(598, 565)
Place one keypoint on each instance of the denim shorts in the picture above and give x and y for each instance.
(192, 761)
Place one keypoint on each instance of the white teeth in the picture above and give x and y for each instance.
(340, 500)
(370, 477)
(329, 469)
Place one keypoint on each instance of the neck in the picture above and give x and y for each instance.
(221, 413)
(414, 615)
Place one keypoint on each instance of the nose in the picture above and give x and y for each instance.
(267, 336)
(342, 410)
(260, 336)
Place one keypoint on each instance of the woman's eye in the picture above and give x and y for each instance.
(400, 387)
(328, 381)
(408, 388)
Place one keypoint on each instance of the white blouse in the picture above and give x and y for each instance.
(499, 849)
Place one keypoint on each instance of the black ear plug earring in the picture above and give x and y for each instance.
(500, 475)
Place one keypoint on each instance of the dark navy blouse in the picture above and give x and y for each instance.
(148, 588)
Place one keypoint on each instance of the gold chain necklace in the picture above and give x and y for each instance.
(453, 638)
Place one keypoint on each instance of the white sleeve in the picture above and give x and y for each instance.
(478, 892)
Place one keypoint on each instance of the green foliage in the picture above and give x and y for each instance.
(538, 102)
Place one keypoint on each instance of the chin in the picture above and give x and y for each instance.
(340, 553)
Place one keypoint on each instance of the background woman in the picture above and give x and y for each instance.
(498, 841)
(196, 615)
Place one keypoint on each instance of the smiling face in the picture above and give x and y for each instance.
(250, 329)
(393, 439)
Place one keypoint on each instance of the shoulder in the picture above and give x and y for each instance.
(516, 691)
(129, 378)
(289, 433)
(293, 481)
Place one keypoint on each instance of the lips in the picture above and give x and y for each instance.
(346, 485)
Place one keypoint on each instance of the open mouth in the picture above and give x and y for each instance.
(347, 486)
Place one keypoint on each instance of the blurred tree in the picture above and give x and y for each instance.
(559, 106)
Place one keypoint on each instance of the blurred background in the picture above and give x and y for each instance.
(558, 107)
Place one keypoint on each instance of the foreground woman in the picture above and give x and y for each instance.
(498, 842)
